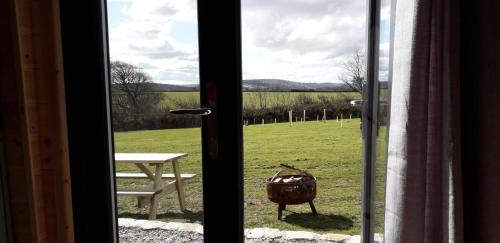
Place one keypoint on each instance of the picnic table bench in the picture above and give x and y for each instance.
(159, 188)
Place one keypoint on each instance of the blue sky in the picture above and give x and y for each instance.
(299, 40)
(115, 14)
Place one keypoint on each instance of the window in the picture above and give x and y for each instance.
(94, 180)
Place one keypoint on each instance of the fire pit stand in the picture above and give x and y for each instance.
(282, 207)
(291, 189)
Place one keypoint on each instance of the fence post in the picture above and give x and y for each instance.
(290, 118)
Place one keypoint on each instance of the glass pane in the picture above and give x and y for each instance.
(303, 68)
(154, 68)
(383, 118)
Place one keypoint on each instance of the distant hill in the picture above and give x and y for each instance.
(265, 85)
(286, 85)
(158, 87)
(172, 87)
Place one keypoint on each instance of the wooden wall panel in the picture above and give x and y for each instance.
(34, 129)
(11, 107)
(481, 120)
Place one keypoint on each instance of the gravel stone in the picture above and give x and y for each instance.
(138, 235)
(354, 239)
(336, 237)
(125, 222)
(257, 233)
(300, 235)
(152, 225)
(144, 231)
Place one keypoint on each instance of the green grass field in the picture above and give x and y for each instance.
(331, 153)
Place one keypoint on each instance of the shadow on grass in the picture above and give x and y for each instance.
(319, 222)
(187, 216)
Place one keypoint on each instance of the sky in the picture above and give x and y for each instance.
(297, 40)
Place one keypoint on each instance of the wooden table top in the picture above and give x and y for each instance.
(147, 157)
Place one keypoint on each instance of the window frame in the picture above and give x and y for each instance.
(90, 138)
(85, 46)
(86, 63)
(370, 120)
(5, 218)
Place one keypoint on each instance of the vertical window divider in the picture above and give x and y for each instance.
(219, 40)
(370, 120)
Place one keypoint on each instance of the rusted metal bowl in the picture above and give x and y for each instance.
(284, 189)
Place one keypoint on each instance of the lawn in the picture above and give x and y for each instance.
(330, 152)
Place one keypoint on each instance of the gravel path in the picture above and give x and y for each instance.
(137, 235)
(152, 231)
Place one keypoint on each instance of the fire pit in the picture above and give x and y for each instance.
(296, 188)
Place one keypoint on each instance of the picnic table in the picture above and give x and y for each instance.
(159, 188)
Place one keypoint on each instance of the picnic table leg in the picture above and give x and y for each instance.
(157, 184)
(141, 201)
(146, 171)
(178, 185)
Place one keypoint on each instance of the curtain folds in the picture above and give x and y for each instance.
(423, 177)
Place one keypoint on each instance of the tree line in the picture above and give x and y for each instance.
(136, 107)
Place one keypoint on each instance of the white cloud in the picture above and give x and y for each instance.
(145, 39)
(301, 40)
(384, 61)
(162, 10)
(385, 11)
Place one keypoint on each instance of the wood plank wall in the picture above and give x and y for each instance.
(481, 119)
(33, 121)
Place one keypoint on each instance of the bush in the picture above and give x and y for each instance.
(160, 118)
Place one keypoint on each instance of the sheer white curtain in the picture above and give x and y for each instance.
(423, 199)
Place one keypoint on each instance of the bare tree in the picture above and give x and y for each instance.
(132, 89)
(286, 99)
(262, 97)
(354, 71)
